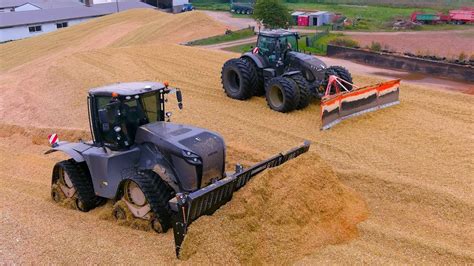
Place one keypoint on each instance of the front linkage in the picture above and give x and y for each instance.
(189, 207)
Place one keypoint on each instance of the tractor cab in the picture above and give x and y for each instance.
(118, 110)
(274, 44)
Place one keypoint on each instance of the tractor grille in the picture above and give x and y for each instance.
(210, 148)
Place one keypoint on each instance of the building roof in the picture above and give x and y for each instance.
(11, 19)
(127, 88)
(318, 13)
(297, 13)
(43, 4)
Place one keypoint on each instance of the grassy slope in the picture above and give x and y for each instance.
(235, 35)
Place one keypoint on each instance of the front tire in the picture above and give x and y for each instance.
(282, 94)
(342, 73)
(305, 93)
(238, 79)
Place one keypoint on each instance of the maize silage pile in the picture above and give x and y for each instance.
(282, 215)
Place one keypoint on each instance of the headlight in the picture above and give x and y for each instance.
(191, 157)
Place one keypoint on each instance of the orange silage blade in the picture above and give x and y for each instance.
(343, 105)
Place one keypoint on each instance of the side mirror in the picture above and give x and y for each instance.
(179, 97)
(104, 120)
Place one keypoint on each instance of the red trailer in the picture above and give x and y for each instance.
(462, 16)
(303, 20)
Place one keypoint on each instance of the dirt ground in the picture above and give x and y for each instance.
(448, 44)
(393, 186)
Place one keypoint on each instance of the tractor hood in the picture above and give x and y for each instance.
(197, 155)
(311, 67)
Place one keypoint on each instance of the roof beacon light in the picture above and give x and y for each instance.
(166, 83)
(115, 95)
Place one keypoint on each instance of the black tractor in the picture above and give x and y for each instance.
(163, 173)
(275, 68)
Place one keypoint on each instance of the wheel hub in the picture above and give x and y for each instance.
(276, 96)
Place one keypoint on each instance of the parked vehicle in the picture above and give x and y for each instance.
(242, 6)
(187, 7)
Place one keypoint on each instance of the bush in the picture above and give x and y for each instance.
(375, 46)
(462, 56)
(345, 42)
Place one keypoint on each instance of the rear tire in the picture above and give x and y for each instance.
(305, 93)
(282, 94)
(258, 88)
(238, 79)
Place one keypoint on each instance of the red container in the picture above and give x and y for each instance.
(303, 20)
(462, 15)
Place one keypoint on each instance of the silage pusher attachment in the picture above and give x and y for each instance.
(189, 207)
(340, 103)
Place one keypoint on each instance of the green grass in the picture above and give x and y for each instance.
(372, 18)
(211, 5)
(234, 15)
(320, 46)
(242, 48)
(235, 35)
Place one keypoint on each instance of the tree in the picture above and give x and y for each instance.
(272, 13)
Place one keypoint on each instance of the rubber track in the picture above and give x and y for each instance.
(246, 78)
(305, 94)
(81, 179)
(158, 194)
(290, 91)
(258, 87)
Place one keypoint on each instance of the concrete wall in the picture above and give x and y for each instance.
(430, 67)
(22, 32)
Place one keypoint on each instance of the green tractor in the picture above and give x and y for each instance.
(275, 68)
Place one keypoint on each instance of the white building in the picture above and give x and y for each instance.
(30, 19)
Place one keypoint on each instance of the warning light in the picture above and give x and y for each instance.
(166, 84)
(114, 94)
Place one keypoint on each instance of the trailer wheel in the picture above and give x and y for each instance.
(282, 94)
(238, 78)
(305, 93)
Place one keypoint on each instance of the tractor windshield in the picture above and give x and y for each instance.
(125, 116)
(272, 47)
(289, 43)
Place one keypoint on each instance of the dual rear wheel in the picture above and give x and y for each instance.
(241, 80)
